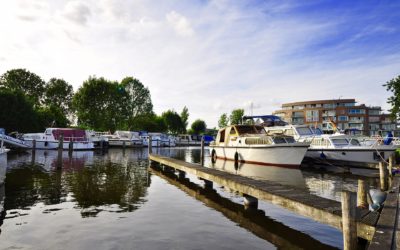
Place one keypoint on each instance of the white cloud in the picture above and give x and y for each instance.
(180, 24)
(77, 12)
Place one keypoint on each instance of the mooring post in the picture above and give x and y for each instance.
(391, 164)
(202, 151)
(33, 151)
(60, 150)
(383, 175)
(362, 194)
(70, 148)
(123, 145)
(150, 146)
(33, 145)
(250, 202)
(181, 174)
(349, 225)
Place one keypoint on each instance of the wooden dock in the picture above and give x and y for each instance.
(298, 201)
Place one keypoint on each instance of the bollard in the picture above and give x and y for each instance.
(250, 202)
(349, 225)
(202, 152)
(383, 175)
(362, 194)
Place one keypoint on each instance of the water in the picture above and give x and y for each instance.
(112, 201)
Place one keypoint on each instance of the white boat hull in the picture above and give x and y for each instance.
(40, 144)
(3, 164)
(355, 157)
(281, 155)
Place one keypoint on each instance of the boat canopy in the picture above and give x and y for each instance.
(69, 134)
(268, 120)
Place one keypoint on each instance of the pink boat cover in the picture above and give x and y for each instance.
(70, 134)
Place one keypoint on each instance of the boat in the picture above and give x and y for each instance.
(3, 161)
(251, 144)
(51, 136)
(188, 140)
(337, 148)
(124, 139)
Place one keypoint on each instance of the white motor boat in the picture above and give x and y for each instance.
(124, 139)
(50, 139)
(3, 162)
(335, 148)
(187, 140)
(251, 144)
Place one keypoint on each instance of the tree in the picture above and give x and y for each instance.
(28, 83)
(394, 86)
(17, 113)
(148, 122)
(139, 101)
(223, 121)
(236, 116)
(173, 122)
(184, 118)
(59, 94)
(100, 105)
(198, 126)
(52, 116)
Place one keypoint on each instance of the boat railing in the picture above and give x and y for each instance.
(75, 139)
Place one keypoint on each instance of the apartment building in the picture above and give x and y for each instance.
(345, 114)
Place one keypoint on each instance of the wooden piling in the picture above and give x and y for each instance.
(362, 194)
(33, 144)
(202, 152)
(181, 174)
(123, 145)
(60, 151)
(383, 176)
(391, 164)
(33, 151)
(150, 145)
(349, 224)
(70, 148)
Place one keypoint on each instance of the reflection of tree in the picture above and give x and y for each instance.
(108, 183)
(29, 183)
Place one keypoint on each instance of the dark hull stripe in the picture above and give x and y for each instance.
(352, 150)
(292, 166)
(264, 147)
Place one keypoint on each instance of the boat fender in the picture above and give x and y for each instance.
(322, 155)
(213, 156)
(46, 143)
(388, 139)
(236, 157)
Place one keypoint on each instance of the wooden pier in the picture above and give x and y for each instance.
(301, 202)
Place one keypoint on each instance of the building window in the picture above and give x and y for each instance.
(343, 118)
(329, 105)
(356, 111)
(373, 112)
(349, 104)
(312, 116)
(298, 107)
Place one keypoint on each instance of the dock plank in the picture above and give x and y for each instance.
(299, 201)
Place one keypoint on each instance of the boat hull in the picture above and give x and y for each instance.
(351, 157)
(284, 156)
(40, 144)
(3, 164)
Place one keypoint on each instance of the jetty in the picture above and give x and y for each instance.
(351, 215)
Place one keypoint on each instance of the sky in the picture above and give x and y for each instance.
(211, 56)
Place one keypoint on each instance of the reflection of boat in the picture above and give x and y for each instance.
(50, 139)
(249, 143)
(281, 175)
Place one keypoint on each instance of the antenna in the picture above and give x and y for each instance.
(251, 108)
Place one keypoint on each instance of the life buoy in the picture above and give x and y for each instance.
(213, 156)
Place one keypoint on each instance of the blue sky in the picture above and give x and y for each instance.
(211, 56)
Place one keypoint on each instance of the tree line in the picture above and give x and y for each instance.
(29, 104)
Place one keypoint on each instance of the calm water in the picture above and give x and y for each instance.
(112, 201)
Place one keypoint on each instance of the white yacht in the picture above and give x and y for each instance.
(3, 161)
(187, 140)
(50, 139)
(251, 144)
(335, 148)
(124, 138)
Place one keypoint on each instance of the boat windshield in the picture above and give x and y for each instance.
(250, 130)
(340, 142)
(304, 131)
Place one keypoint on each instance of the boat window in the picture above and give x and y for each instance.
(304, 131)
(289, 132)
(355, 142)
(260, 129)
(340, 141)
(320, 142)
(280, 140)
(233, 131)
(246, 130)
(222, 136)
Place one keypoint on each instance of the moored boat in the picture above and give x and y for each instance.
(251, 144)
(50, 139)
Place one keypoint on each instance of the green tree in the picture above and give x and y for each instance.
(139, 101)
(59, 93)
(223, 121)
(100, 105)
(148, 122)
(198, 127)
(28, 83)
(185, 118)
(173, 122)
(52, 116)
(17, 113)
(394, 87)
(236, 116)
